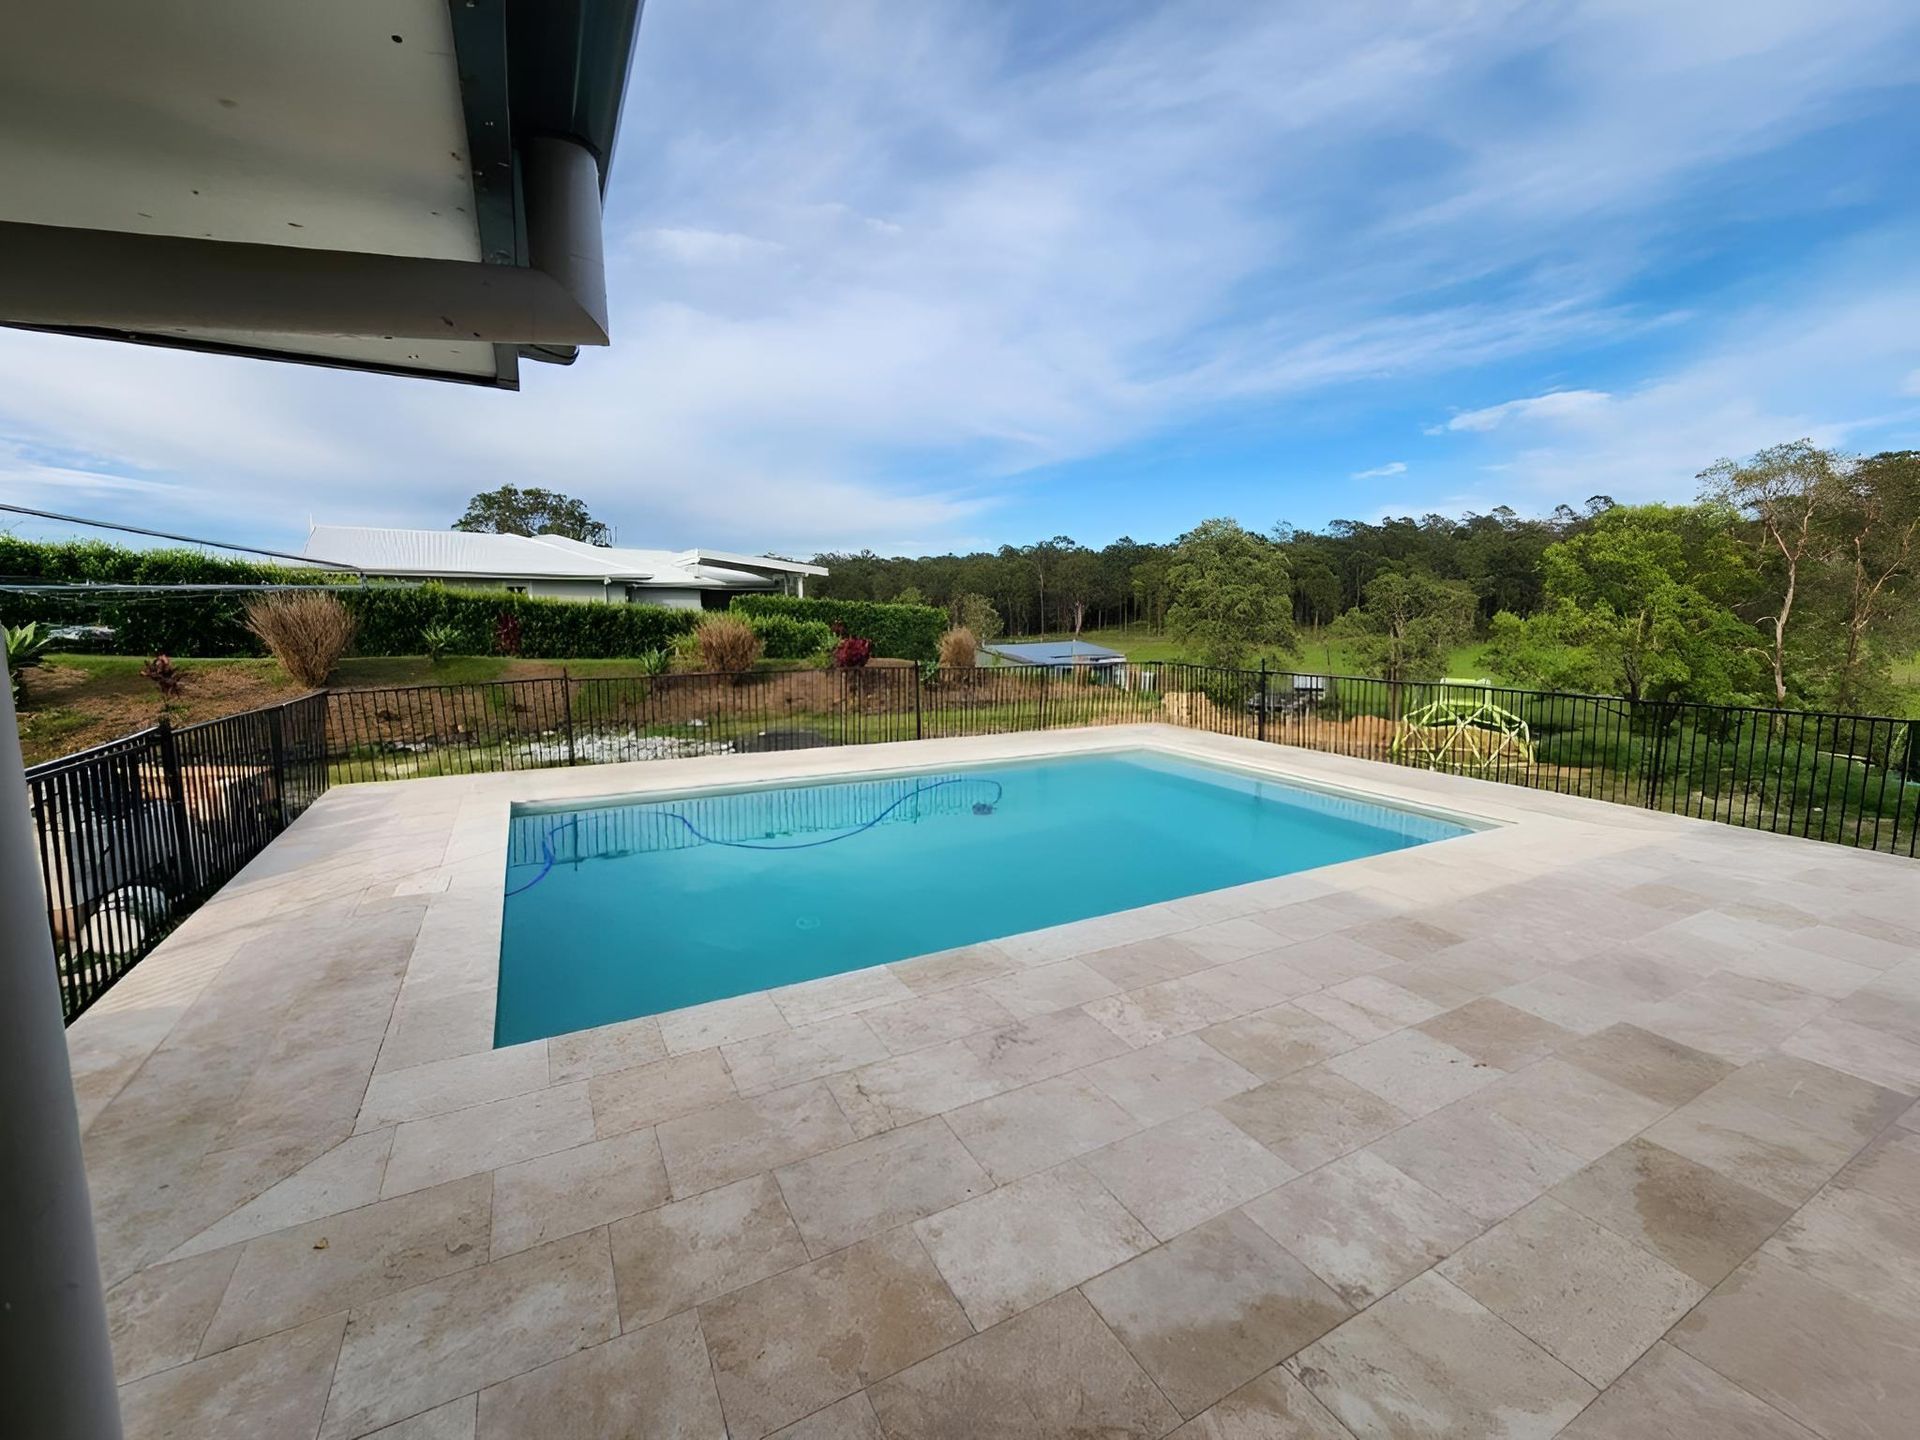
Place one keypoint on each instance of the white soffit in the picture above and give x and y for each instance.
(335, 124)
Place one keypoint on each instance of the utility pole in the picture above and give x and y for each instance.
(56, 1365)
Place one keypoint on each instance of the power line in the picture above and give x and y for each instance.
(181, 539)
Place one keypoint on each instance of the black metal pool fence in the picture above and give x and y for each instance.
(136, 833)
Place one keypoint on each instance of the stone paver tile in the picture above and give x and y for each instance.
(1860, 1243)
(1691, 1216)
(1482, 1162)
(1042, 1047)
(1863, 1050)
(926, 974)
(847, 1194)
(1732, 1016)
(343, 1178)
(1817, 1096)
(1574, 1108)
(1187, 1170)
(1210, 1310)
(157, 1316)
(699, 1027)
(1414, 1072)
(647, 1382)
(418, 1348)
(1641, 976)
(1028, 1241)
(669, 1259)
(1039, 1125)
(1329, 959)
(1647, 1064)
(808, 1052)
(912, 1087)
(1668, 1395)
(1889, 1167)
(743, 1137)
(1226, 940)
(485, 1137)
(1567, 1001)
(1273, 1406)
(936, 1018)
(606, 1048)
(454, 1420)
(848, 993)
(1311, 1116)
(554, 1195)
(1468, 972)
(1147, 962)
(442, 1085)
(1160, 1011)
(274, 1386)
(1834, 1363)
(658, 1090)
(1255, 983)
(1405, 937)
(791, 1344)
(1495, 1033)
(1431, 1361)
(1051, 1371)
(351, 1259)
(1278, 1041)
(1362, 1226)
(1171, 1078)
(1753, 1145)
(848, 1419)
(1590, 1298)
(1046, 988)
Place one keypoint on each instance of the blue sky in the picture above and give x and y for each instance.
(956, 274)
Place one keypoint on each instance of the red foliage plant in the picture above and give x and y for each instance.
(506, 633)
(164, 674)
(852, 652)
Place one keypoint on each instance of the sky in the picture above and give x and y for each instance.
(961, 273)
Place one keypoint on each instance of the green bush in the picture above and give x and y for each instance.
(788, 638)
(391, 617)
(898, 632)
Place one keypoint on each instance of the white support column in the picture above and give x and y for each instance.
(56, 1365)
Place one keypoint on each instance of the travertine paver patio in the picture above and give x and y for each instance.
(1597, 1123)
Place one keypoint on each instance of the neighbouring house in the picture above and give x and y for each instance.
(1062, 655)
(556, 568)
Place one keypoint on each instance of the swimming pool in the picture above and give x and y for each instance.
(627, 909)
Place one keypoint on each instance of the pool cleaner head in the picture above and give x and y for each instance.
(981, 807)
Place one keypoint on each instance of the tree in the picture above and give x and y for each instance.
(1406, 625)
(974, 612)
(1783, 492)
(1639, 603)
(533, 511)
(1229, 593)
(1873, 544)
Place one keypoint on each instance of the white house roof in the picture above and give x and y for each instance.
(430, 553)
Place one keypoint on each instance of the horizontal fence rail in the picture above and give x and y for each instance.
(135, 833)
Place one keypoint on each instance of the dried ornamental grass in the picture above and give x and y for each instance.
(307, 634)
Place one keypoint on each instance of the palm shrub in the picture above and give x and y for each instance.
(306, 633)
(26, 648)
(440, 640)
(727, 643)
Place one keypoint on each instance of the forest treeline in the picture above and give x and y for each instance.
(1789, 580)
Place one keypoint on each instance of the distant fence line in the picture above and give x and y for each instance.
(136, 833)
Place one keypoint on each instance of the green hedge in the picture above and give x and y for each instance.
(209, 626)
(898, 632)
(786, 638)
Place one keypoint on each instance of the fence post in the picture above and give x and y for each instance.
(566, 708)
(1658, 761)
(1046, 683)
(277, 748)
(177, 806)
(918, 724)
(1260, 722)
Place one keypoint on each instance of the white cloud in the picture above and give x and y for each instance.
(1911, 385)
(1380, 472)
(1565, 405)
(689, 245)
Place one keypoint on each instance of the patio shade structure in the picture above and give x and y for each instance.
(405, 186)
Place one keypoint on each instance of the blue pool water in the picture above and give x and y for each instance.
(622, 910)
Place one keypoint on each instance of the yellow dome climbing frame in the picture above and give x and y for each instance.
(1469, 736)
